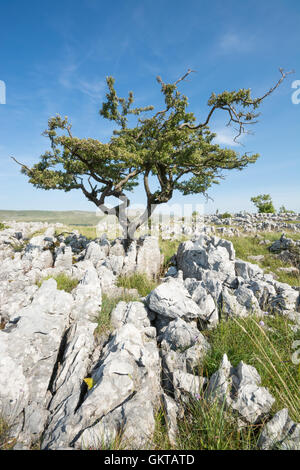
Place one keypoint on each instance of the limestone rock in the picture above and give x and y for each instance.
(171, 300)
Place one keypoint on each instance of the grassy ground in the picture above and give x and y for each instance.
(208, 426)
(250, 246)
(64, 217)
(267, 347)
(169, 248)
(5, 442)
(89, 232)
(141, 282)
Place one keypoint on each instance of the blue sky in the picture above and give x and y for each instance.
(54, 58)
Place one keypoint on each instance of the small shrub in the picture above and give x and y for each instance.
(283, 210)
(226, 215)
(264, 204)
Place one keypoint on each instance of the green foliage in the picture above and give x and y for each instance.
(167, 145)
(264, 204)
(63, 281)
(283, 210)
(2, 226)
(141, 282)
(226, 215)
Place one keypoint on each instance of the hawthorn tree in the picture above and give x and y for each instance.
(167, 146)
(264, 204)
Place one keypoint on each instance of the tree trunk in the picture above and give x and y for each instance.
(131, 227)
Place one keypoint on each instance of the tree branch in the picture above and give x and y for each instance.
(240, 118)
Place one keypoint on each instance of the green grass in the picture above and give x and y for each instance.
(64, 217)
(63, 281)
(108, 304)
(141, 282)
(88, 232)
(270, 352)
(18, 247)
(207, 426)
(169, 248)
(6, 443)
(249, 246)
(160, 436)
(2, 226)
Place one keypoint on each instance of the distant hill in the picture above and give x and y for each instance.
(64, 217)
(70, 217)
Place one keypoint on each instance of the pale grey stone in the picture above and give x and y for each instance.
(239, 388)
(132, 312)
(87, 296)
(187, 385)
(181, 335)
(280, 433)
(171, 411)
(95, 253)
(171, 300)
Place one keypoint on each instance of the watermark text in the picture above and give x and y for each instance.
(2, 92)
(296, 94)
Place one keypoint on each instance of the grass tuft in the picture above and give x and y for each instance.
(6, 443)
(140, 282)
(249, 246)
(107, 306)
(63, 281)
(208, 426)
(268, 348)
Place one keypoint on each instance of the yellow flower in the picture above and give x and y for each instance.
(89, 382)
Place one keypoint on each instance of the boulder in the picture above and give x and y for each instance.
(29, 349)
(171, 300)
(280, 433)
(239, 389)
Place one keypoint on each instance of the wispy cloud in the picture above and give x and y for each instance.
(71, 79)
(225, 136)
(233, 42)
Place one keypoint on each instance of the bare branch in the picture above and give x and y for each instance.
(21, 164)
(239, 118)
(283, 76)
(126, 179)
